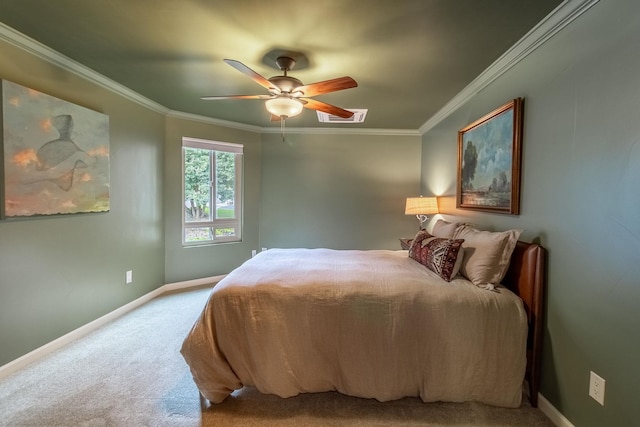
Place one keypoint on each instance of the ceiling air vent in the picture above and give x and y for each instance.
(358, 116)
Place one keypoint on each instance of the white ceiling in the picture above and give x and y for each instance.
(409, 57)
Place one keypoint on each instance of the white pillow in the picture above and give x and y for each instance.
(486, 254)
(444, 229)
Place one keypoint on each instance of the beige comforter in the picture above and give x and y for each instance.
(373, 324)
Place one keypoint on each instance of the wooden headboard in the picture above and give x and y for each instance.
(527, 277)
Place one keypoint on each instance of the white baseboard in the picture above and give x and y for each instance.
(58, 343)
(191, 283)
(552, 413)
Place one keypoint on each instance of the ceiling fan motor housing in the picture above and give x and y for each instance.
(285, 83)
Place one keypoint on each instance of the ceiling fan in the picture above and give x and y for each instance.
(288, 95)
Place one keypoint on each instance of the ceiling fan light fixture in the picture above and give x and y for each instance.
(284, 106)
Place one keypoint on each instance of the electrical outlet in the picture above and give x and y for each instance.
(253, 253)
(129, 277)
(264, 249)
(596, 388)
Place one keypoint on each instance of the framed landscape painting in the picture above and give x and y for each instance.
(55, 155)
(489, 156)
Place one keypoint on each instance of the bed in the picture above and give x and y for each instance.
(373, 324)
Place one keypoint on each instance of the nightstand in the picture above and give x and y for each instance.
(406, 243)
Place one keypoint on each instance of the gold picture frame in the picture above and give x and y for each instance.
(489, 161)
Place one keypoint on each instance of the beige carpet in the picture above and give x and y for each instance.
(130, 373)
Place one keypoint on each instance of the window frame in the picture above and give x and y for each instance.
(215, 223)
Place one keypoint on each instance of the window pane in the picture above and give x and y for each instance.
(197, 234)
(197, 184)
(225, 185)
(212, 202)
(225, 232)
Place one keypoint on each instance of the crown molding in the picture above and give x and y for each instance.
(212, 121)
(292, 130)
(54, 57)
(343, 131)
(559, 18)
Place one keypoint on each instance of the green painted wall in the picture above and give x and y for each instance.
(59, 273)
(186, 263)
(581, 170)
(579, 197)
(338, 191)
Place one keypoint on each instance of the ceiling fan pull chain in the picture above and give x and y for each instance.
(282, 127)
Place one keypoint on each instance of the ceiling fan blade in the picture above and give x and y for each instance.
(214, 98)
(327, 86)
(313, 104)
(252, 74)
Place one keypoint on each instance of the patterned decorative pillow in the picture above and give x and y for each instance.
(416, 243)
(442, 256)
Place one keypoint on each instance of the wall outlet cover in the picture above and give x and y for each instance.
(596, 387)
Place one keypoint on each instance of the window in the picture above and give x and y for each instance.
(212, 191)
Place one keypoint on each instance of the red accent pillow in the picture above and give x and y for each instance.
(442, 256)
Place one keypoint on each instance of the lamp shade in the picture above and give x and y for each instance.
(421, 206)
(284, 106)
